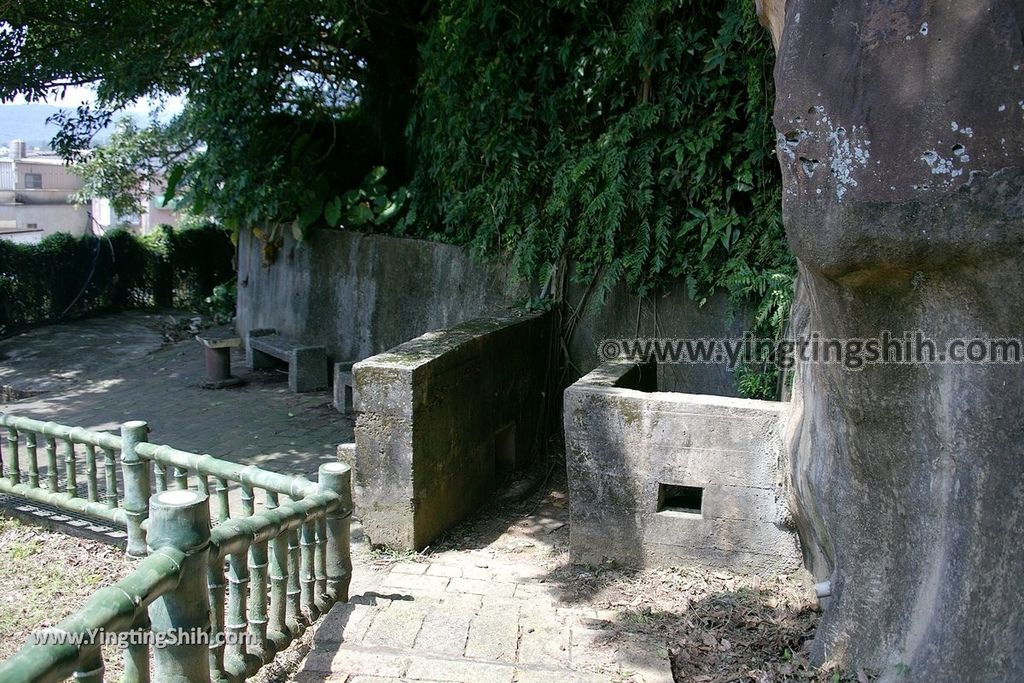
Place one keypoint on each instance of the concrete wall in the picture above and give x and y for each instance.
(362, 294)
(670, 314)
(622, 443)
(440, 418)
(49, 219)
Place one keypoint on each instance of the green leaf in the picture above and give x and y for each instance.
(173, 178)
(310, 212)
(360, 215)
(332, 212)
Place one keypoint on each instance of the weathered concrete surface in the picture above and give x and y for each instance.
(621, 443)
(670, 314)
(901, 141)
(440, 417)
(359, 295)
(362, 294)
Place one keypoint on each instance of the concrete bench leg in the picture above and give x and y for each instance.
(307, 370)
(257, 360)
(262, 361)
(345, 398)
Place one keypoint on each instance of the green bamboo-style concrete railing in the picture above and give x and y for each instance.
(252, 580)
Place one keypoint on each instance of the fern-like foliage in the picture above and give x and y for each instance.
(632, 139)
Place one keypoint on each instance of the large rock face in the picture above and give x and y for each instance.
(901, 139)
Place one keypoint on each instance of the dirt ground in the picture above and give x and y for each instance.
(45, 576)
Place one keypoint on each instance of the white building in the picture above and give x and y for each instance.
(36, 200)
(36, 196)
(154, 213)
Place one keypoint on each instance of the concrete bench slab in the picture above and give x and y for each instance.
(307, 363)
(220, 342)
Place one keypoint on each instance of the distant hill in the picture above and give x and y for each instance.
(28, 122)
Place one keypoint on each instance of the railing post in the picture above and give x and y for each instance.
(336, 477)
(181, 519)
(136, 485)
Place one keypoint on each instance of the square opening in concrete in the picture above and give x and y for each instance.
(505, 451)
(348, 397)
(675, 498)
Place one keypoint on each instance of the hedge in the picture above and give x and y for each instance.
(68, 277)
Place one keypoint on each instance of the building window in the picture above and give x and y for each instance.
(33, 181)
(31, 226)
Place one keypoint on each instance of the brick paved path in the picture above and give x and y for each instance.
(474, 616)
(486, 609)
(100, 372)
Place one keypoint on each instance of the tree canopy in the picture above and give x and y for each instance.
(286, 100)
(627, 140)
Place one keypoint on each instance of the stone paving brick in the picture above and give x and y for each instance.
(559, 676)
(350, 660)
(444, 633)
(458, 671)
(444, 570)
(537, 592)
(417, 583)
(411, 568)
(396, 626)
(324, 677)
(481, 587)
(460, 601)
(345, 623)
(543, 640)
(494, 636)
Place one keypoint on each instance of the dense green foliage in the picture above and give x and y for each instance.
(631, 138)
(289, 102)
(65, 276)
(623, 140)
(619, 141)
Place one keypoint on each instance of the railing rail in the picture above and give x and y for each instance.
(269, 572)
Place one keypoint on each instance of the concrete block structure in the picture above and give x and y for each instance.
(441, 419)
(660, 478)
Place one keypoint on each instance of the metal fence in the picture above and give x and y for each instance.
(222, 596)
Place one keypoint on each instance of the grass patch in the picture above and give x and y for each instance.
(45, 576)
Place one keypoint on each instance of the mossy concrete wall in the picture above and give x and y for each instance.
(624, 440)
(358, 295)
(439, 416)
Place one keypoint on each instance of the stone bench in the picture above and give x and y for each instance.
(307, 364)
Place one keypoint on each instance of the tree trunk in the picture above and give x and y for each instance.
(901, 141)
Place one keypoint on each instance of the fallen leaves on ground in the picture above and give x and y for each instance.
(719, 627)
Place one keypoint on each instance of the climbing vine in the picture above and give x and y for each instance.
(625, 140)
(630, 138)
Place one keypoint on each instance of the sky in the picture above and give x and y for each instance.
(77, 95)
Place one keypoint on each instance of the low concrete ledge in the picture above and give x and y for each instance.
(441, 418)
(660, 478)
